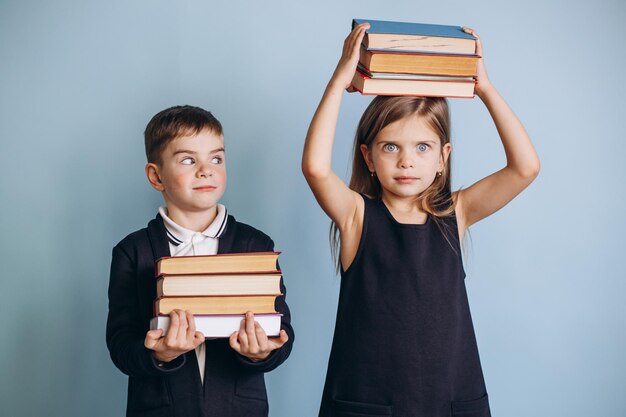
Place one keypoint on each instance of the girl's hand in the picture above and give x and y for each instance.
(350, 57)
(252, 342)
(482, 80)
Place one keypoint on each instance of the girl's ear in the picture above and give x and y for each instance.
(367, 156)
(152, 172)
(445, 154)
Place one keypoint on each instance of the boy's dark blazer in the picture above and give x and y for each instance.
(233, 385)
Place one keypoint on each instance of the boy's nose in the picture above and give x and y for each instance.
(204, 171)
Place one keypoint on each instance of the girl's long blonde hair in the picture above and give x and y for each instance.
(382, 111)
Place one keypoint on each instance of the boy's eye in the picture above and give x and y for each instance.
(422, 147)
(390, 147)
(187, 161)
(217, 160)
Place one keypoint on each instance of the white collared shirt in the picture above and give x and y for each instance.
(185, 242)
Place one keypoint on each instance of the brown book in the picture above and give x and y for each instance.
(214, 284)
(218, 264)
(261, 304)
(419, 63)
(413, 87)
(419, 43)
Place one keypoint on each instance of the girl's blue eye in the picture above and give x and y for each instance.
(422, 147)
(390, 147)
(217, 160)
(187, 161)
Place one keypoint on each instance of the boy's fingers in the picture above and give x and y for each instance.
(253, 344)
(261, 336)
(152, 337)
(172, 332)
(191, 328)
(182, 325)
(277, 342)
(198, 339)
(242, 336)
(234, 342)
(249, 323)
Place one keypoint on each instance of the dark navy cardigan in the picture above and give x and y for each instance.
(233, 385)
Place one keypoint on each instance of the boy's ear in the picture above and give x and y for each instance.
(367, 157)
(152, 172)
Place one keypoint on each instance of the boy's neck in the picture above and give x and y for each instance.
(196, 221)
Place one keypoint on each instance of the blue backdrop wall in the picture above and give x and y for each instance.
(80, 80)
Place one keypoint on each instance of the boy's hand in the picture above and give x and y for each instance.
(181, 337)
(252, 342)
(482, 80)
(350, 57)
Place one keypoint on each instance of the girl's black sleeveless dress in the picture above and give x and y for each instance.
(404, 343)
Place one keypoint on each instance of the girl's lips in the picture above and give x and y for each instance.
(405, 180)
(205, 188)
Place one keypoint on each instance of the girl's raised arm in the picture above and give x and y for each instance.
(493, 192)
(338, 201)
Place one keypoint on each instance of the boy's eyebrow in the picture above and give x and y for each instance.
(194, 152)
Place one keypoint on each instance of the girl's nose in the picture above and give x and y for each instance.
(405, 161)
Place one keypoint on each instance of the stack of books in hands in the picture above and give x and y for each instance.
(218, 290)
(416, 59)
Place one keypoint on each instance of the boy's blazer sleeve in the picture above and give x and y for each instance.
(126, 328)
(278, 356)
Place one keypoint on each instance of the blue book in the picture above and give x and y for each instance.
(416, 37)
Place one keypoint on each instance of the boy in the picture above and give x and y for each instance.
(181, 374)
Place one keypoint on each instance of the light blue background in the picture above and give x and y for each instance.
(80, 80)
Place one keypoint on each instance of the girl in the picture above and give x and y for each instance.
(404, 342)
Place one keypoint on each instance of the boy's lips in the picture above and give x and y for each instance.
(205, 188)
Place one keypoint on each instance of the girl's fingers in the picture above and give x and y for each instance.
(359, 35)
(479, 47)
(355, 37)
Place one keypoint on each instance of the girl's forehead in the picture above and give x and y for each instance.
(408, 129)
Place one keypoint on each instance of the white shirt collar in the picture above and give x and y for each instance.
(177, 234)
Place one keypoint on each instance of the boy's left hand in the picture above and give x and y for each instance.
(252, 342)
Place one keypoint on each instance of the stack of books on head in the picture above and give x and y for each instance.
(218, 290)
(416, 59)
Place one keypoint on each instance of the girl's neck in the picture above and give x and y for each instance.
(405, 210)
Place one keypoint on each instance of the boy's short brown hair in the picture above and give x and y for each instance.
(175, 122)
